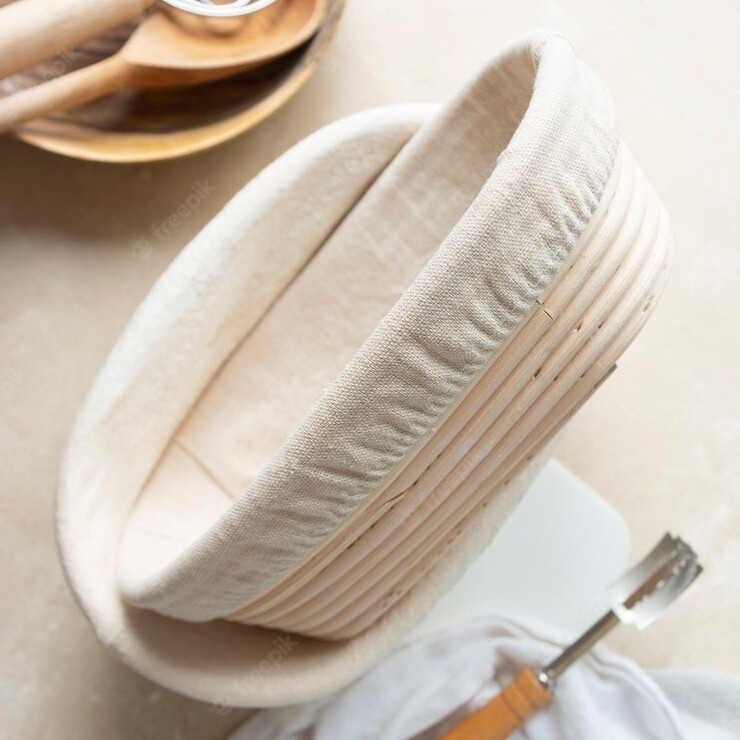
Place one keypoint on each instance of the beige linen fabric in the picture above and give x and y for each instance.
(533, 139)
(552, 135)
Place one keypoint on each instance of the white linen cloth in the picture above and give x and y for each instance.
(429, 685)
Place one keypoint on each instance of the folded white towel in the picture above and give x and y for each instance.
(425, 688)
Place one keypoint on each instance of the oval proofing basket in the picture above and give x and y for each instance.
(340, 389)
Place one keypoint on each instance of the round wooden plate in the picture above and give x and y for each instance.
(149, 125)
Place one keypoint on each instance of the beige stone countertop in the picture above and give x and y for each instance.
(81, 243)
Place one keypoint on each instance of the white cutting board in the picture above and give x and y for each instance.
(552, 560)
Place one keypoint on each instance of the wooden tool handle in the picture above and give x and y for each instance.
(33, 30)
(505, 712)
(64, 92)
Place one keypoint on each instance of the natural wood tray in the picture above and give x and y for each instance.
(148, 125)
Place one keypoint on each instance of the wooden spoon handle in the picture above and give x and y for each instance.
(505, 712)
(33, 30)
(64, 92)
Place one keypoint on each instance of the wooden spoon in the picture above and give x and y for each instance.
(171, 49)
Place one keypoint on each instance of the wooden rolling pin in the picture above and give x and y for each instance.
(34, 30)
